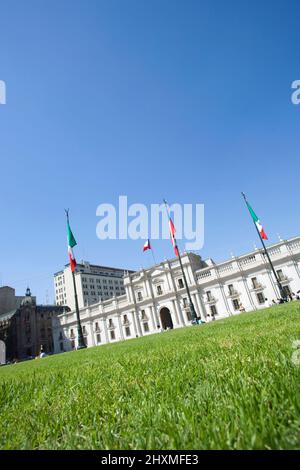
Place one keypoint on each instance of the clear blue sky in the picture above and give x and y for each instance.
(187, 99)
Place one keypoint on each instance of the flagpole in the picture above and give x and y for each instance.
(81, 343)
(153, 254)
(192, 308)
(281, 291)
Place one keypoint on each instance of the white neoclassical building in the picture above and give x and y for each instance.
(156, 298)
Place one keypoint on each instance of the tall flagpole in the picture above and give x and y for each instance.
(153, 254)
(81, 343)
(281, 290)
(192, 308)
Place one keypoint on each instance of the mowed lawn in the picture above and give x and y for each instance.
(229, 384)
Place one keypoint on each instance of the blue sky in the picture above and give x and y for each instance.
(188, 100)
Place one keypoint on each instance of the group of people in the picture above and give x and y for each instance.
(290, 298)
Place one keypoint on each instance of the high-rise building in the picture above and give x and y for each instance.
(93, 284)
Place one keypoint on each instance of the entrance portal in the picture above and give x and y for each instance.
(166, 319)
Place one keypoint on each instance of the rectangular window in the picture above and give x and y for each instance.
(236, 304)
(146, 327)
(143, 315)
(98, 338)
(213, 310)
(112, 335)
(255, 284)
(231, 289)
(287, 290)
(280, 275)
(140, 296)
(208, 296)
(260, 298)
(127, 331)
(159, 290)
(180, 284)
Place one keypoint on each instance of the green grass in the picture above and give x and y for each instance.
(229, 384)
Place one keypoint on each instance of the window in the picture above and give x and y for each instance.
(236, 304)
(125, 319)
(180, 284)
(231, 289)
(146, 327)
(185, 302)
(110, 323)
(280, 275)
(112, 335)
(139, 296)
(213, 310)
(260, 298)
(127, 331)
(84, 332)
(98, 338)
(188, 315)
(287, 290)
(159, 290)
(255, 283)
(144, 316)
(208, 296)
(97, 326)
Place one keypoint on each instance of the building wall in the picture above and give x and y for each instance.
(8, 300)
(243, 283)
(27, 328)
(93, 283)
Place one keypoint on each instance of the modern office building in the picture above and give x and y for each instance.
(93, 284)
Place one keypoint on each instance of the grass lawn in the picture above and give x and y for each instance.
(229, 384)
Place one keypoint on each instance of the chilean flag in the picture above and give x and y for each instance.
(172, 235)
(147, 245)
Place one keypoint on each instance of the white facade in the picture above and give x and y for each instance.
(156, 298)
(93, 284)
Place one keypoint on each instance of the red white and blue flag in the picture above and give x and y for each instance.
(147, 245)
(172, 235)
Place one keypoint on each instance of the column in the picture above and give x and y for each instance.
(92, 332)
(176, 317)
(134, 324)
(155, 315)
(180, 313)
(196, 304)
(105, 329)
(152, 318)
(120, 326)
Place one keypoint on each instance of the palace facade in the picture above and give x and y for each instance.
(156, 299)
